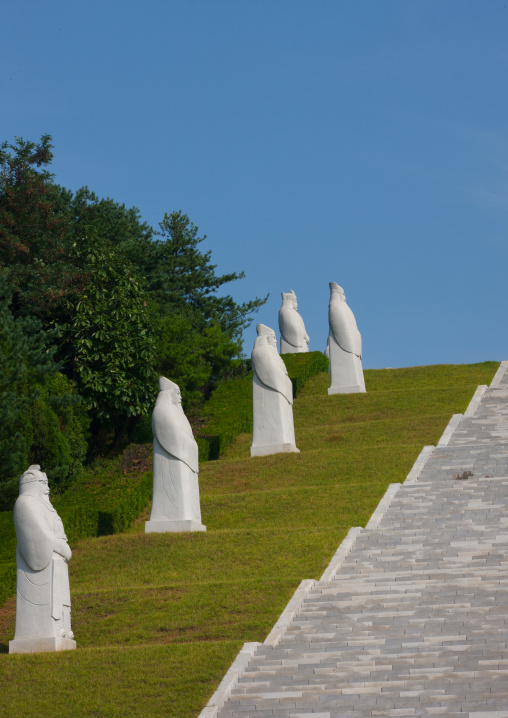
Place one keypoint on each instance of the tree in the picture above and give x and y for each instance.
(121, 226)
(112, 344)
(23, 351)
(198, 333)
(183, 282)
(125, 302)
(183, 275)
(40, 421)
(35, 232)
(197, 363)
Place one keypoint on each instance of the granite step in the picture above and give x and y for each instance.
(412, 618)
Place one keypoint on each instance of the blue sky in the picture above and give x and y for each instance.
(360, 142)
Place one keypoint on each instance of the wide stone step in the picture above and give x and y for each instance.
(412, 619)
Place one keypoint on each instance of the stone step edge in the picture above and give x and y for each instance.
(498, 376)
(475, 401)
(450, 429)
(419, 465)
(382, 507)
(286, 617)
(247, 652)
(422, 459)
(471, 410)
(228, 683)
(348, 542)
(341, 554)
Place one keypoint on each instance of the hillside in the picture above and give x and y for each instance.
(159, 618)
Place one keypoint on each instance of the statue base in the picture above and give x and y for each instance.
(273, 449)
(355, 389)
(41, 645)
(165, 526)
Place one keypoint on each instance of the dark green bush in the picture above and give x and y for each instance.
(53, 433)
(83, 520)
(142, 432)
(7, 556)
(302, 366)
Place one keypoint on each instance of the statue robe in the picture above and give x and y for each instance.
(175, 464)
(42, 580)
(293, 337)
(272, 394)
(345, 349)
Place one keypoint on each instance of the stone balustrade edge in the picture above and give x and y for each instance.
(341, 554)
(287, 615)
(230, 680)
(382, 507)
(419, 465)
(494, 384)
(450, 429)
(475, 401)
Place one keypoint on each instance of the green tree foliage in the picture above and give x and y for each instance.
(198, 333)
(24, 357)
(34, 232)
(111, 337)
(117, 302)
(184, 276)
(41, 419)
(196, 364)
(56, 276)
(60, 422)
(121, 226)
(184, 284)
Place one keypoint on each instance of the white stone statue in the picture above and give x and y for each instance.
(293, 337)
(272, 395)
(175, 502)
(43, 600)
(344, 345)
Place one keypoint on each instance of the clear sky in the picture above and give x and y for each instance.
(358, 141)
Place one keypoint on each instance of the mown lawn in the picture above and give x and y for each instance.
(159, 618)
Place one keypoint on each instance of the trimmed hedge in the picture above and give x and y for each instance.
(229, 412)
(81, 520)
(301, 367)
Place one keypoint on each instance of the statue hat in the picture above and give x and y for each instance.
(165, 384)
(33, 473)
(263, 330)
(335, 289)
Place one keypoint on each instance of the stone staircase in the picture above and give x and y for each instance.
(411, 616)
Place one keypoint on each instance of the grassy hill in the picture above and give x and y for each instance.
(159, 618)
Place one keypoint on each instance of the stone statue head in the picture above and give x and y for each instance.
(289, 299)
(335, 290)
(168, 385)
(268, 334)
(34, 481)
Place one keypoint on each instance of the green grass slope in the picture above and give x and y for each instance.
(159, 618)
(108, 496)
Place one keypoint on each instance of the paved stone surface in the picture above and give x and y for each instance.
(415, 621)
